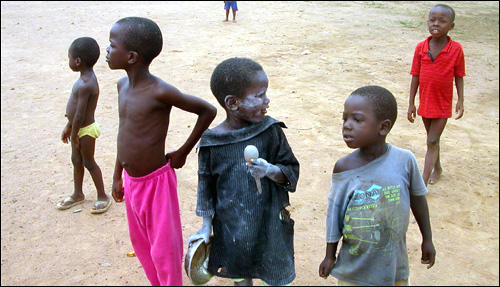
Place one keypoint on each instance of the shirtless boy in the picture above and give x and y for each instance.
(82, 129)
(149, 181)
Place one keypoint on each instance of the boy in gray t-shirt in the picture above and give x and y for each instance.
(372, 191)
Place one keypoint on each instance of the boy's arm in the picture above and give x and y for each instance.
(284, 171)
(412, 111)
(420, 211)
(66, 133)
(459, 82)
(117, 189)
(260, 168)
(81, 107)
(206, 114)
(206, 196)
(204, 231)
(275, 174)
(326, 266)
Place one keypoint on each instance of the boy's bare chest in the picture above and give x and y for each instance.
(139, 107)
(74, 91)
(72, 102)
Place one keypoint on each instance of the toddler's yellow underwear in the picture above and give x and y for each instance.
(93, 130)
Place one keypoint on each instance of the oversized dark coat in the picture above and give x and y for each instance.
(253, 233)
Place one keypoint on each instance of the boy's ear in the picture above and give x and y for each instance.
(385, 127)
(78, 62)
(133, 57)
(231, 102)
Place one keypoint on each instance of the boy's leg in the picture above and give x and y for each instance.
(234, 7)
(165, 230)
(78, 171)
(87, 149)
(437, 171)
(155, 211)
(139, 238)
(226, 7)
(434, 129)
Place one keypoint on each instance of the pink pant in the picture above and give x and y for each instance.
(155, 224)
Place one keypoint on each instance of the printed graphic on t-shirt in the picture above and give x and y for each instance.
(372, 219)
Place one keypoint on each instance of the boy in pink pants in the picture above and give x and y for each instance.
(152, 203)
(149, 183)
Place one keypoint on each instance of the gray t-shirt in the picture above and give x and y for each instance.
(370, 208)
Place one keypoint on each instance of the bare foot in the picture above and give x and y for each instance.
(225, 20)
(436, 174)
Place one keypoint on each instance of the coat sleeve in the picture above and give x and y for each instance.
(206, 194)
(287, 161)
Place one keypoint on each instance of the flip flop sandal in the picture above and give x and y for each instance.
(64, 204)
(99, 202)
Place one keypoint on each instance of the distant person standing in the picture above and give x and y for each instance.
(234, 6)
(436, 62)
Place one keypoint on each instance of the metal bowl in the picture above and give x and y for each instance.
(196, 261)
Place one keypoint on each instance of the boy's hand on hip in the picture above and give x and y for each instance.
(177, 160)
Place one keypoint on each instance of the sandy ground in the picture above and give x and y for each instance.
(351, 44)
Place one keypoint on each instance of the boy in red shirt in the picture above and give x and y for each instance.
(437, 60)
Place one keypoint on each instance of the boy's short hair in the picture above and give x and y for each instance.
(232, 77)
(85, 48)
(141, 35)
(384, 102)
(447, 7)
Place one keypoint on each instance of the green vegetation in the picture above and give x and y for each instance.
(410, 23)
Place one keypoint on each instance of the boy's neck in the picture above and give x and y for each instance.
(440, 40)
(230, 124)
(234, 122)
(86, 71)
(138, 74)
(374, 151)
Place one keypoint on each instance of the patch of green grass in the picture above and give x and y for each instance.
(410, 23)
(376, 4)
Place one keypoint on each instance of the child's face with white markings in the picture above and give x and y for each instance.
(252, 106)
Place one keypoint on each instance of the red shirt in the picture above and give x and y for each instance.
(436, 77)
